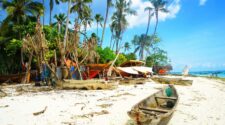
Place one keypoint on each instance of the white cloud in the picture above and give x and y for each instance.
(202, 2)
(142, 16)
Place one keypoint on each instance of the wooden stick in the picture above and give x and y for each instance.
(40, 112)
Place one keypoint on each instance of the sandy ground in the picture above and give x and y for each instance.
(203, 103)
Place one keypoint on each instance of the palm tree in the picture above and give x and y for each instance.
(112, 36)
(81, 8)
(126, 46)
(61, 21)
(119, 21)
(51, 5)
(86, 18)
(67, 22)
(21, 11)
(99, 20)
(150, 14)
(87, 21)
(142, 43)
(159, 6)
(109, 4)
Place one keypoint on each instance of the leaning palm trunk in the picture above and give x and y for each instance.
(111, 41)
(106, 16)
(149, 19)
(97, 29)
(109, 73)
(67, 23)
(156, 25)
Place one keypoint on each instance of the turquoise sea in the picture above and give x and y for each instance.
(220, 73)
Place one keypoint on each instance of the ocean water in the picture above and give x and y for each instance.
(220, 74)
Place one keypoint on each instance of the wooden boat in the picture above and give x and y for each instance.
(134, 68)
(174, 81)
(95, 69)
(156, 109)
(92, 84)
(17, 78)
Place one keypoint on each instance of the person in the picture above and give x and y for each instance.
(45, 75)
(72, 71)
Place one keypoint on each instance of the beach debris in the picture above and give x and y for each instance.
(92, 114)
(40, 112)
(2, 93)
(4, 106)
(84, 105)
(175, 81)
(31, 88)
(105, 105)
(122, 94)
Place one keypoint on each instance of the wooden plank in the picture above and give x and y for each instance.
(154, 109)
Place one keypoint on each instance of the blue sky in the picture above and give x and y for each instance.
(193, 33)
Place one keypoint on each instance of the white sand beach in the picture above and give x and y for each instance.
(200, 104)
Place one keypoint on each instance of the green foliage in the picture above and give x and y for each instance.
(24, 29)
(131, 56)
(121, 59)
(13, 46)
(51, 34)
(49, 54)
(159, 58)
(105, 54)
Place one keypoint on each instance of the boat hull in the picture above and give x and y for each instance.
(156, 109)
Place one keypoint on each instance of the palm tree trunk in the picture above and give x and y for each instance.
(113, 44)
(156, 25)
(97, 29)
(50, 21)
(43, 2)
(111, 41)
(142, 53)
(149, 18)
(59, 28)
(117, 46)
(106, 16)
(67, 23)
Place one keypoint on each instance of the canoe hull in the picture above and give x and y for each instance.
(156, 109)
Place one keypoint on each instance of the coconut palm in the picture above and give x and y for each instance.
(109, 4)
(51, 5)
(61, 21)
(21, 11)
(67, 21)
(86, 18)
(119, 21)
(99, 20)
(142, 43)
(112, 36)
(126, 46)
(81, 8)
(150, 14)
(159, 6)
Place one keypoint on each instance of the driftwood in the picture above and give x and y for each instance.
(2, 93)
(40, 112)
